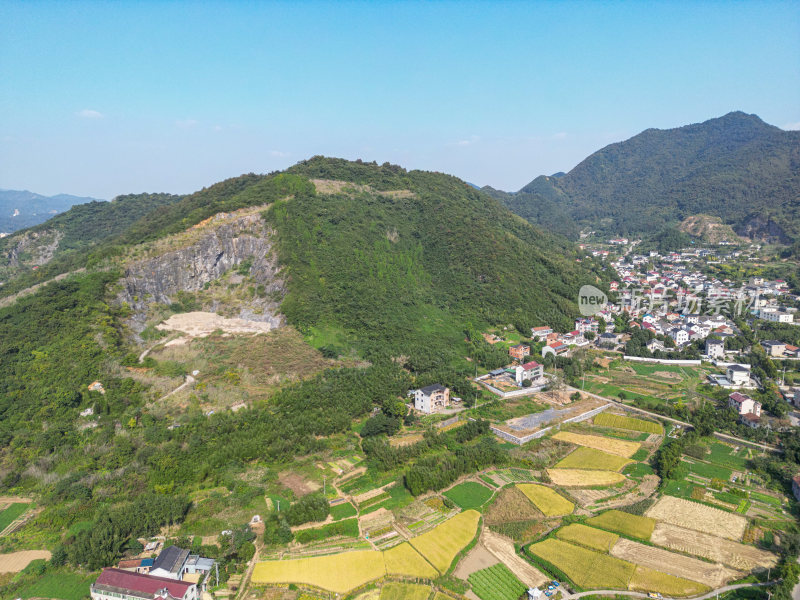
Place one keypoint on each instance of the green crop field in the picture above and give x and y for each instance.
(589, 458)
(624, 523)
(10, 514)
(722, 454)
(710, 471)
(60, 586)
(622, 422)
(469, 494)
(638, 470)
(496, 583)
(343, 511)
(346, 528)
(765, 498)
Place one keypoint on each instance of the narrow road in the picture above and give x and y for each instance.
(189, 381)
(711, 594)
(9, 300)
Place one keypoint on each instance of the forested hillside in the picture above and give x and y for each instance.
(21, 208)
(735, 167)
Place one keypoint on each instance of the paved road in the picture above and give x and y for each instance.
(710, 594)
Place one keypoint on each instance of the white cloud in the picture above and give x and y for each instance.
(278, 153)
(467, 142)
(217, 127)
(561, 135)
(792, 126)
(88, 113)
(186, 123)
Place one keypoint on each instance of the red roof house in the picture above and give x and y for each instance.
(146, 586)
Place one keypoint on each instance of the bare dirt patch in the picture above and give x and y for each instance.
(405, 440)
(202, 324)
(511, 506)
(738, 556)
(16, 561)
(712, 574)
(478, 558)
(699, 517)
(667, 375)
(503, 549)
(297, 483)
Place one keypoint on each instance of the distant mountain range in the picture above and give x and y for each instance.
(21, 209)
(736, 167)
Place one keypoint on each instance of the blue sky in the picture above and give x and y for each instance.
(120, 97)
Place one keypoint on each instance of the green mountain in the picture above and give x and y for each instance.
(21, 208)
(735, 167)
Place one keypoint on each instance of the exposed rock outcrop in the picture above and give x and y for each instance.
(32, 248)
(190, 269)
(759, 227)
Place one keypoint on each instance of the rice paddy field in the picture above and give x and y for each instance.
(404, 591)
(596, 539)
(625, 523)
(584, 477)
(604, 444)
(337, 573)
(589, 458)
(699, 517)
(587, 568)
(405, 561)
(606, 419)
(441, 544)
(547, 500)
(649, 580)
(469, 494)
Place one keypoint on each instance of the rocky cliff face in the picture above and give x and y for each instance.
(758, 227)
(33, 248)
(193, 268)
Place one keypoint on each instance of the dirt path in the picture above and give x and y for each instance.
(9, 300)
(503, 549)
(189, 381)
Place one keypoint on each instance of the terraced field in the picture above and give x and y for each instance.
(547, 500)
(584, 477)
(624, 523)
(604, 444)
(591, 459)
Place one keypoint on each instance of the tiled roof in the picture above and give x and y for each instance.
(137, 582)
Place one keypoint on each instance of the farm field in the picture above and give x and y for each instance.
(589, 458)
(547, 500)
(736, 555)
(441, 544)
(650, 580)
(404, 591)
(711, 574)
(496, 583)
(503, 549)
(596, 539)
(343, 511)
(710, 471)
(14, 562)
(404, 560)
(587, 568)
(584, 477)
(12, 513)
(345, 528)
(469, 494)
(699, 517)
(338, 573)
(604, 444)
(60, 586)
(722, 454)
(624, 523)
(606, 419)
(510, 505)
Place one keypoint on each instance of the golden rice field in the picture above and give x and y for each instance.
(604, 444)
(547, 500)
(605, 419)
(591, 459)
(624, 523)
(405, 591)
(338, 573)
(587, 568)
(596, 539)
(404, 560)
(649, 580)
(441, 544)
(699, 517)
(584, 477)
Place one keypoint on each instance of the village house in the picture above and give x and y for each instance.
(170, 563)
(555, 348)
(432, 398)
(607, 339)
(751, 420)
(744, 404)
(116, 584)
(531, 371)
(715, 348)
(541, 333)
(737, 375)
(136, 565)
(774, 347)
(655, 344)
(519, 351)
(586, 325)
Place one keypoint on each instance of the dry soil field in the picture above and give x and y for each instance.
(699, 517)
(733, 554)
(712, 574)
(503, 549)
(16, 561)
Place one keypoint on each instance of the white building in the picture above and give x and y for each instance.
(432, 398)
(775, 315)
(738, 375)
(715, 348)
(531, 371)
(744, 404)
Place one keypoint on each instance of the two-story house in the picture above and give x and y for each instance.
(744, 404)
(432, 398)
(519, 351)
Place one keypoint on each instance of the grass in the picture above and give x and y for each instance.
(604, 444)
(469, 494)
(343, 511)
(640, 455)
(403, 560)
(584, 478)
(441, 544)
(605, 419)
(589, 458)
(596, 539)
(624, 523)
(12, 513)
(638, 470)
(650, 580)
(346, 528)
(587, 568)
(62, 585)
(547, 500)
(722, 454)
(405, 591)
(496, 583)
(710, 471)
